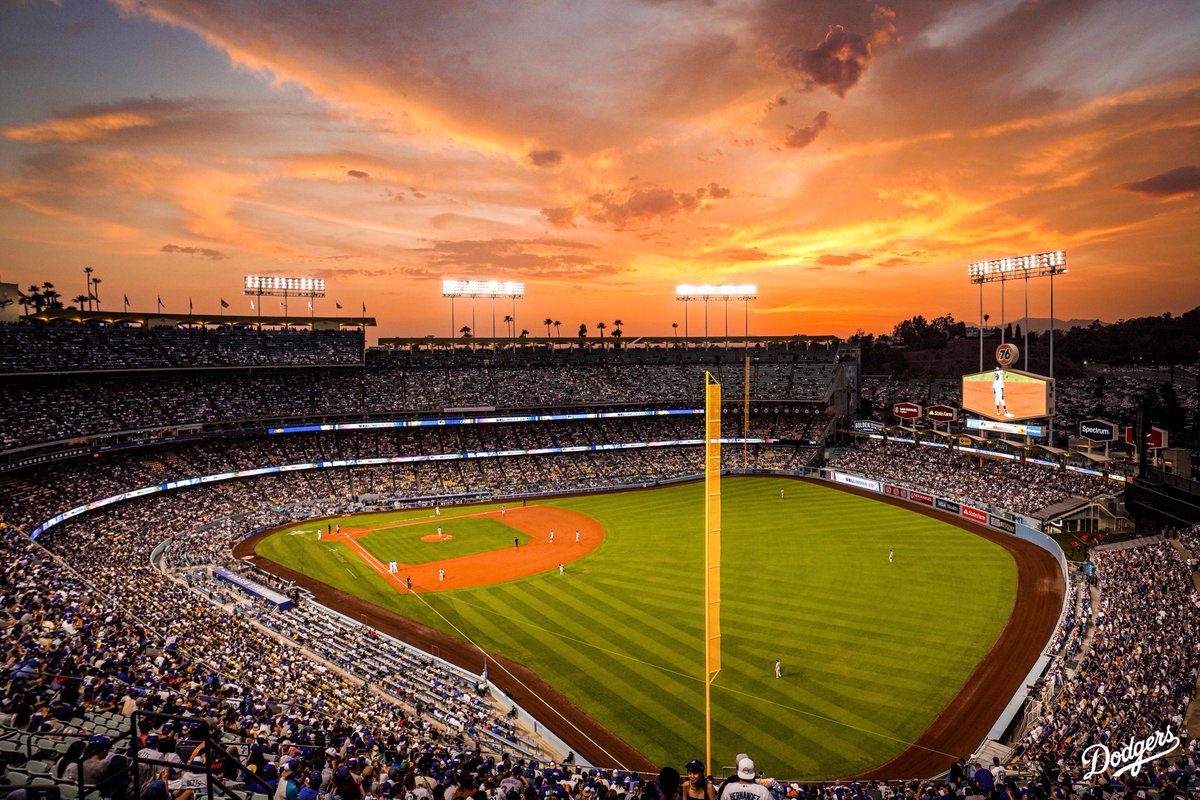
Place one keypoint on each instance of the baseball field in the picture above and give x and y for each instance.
(871, 648)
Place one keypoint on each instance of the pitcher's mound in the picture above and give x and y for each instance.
(433, 537)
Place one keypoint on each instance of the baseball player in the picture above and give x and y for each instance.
(998, 393)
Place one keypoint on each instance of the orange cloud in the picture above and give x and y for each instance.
(71, 130)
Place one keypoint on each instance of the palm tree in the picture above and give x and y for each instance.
(616, 331)
(547, 322)
(508, 320)
(80, 300)
(583, 330)
(465, 330)
(34, 298)
(600, 326)
(87, 282)
(95, 295)
(524, 333)
(51, 296)
(675, 328)
(557, 325)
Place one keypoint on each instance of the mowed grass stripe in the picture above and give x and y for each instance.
(867, 644)
(561, 612)
(613, 684)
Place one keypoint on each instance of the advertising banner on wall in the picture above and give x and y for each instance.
(977, 514)
(1002, 524)
(854, 480)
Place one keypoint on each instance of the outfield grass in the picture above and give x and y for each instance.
(871, 650)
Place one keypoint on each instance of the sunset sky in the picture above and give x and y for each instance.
(850, 158)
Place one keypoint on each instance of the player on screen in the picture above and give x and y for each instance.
(998, 394)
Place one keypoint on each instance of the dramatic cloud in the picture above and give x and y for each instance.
(78, 128)
(840, 60)
(803, 137)
(561, 217)
(840, 259)
(1181, 180)
(644, 205)
(596, 150)
(545, 158)
(203, 252)
(547, 258)
(713, 192)
(743, 254)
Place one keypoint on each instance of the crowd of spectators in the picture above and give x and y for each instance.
(31, 495)
(33, 347)
(93, 626)
(45, 409)
(1136, 678)
(1116, 393)
(1016, 485)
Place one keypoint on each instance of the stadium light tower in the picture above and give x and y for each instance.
(283, 287)
(1037, 265)
(453, 288)
(725, 292)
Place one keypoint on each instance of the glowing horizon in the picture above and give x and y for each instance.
(849, 160)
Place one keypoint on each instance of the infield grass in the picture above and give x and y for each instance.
(871, 650)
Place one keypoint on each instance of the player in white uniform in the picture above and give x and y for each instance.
(998, 393)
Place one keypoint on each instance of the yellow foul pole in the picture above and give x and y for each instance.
(712, 550)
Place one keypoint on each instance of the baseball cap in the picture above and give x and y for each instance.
(695, 765)
(745, 769)
(668, 780)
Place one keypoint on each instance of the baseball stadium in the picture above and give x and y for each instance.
(425, 555)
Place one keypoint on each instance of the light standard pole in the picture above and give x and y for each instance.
(685, 293)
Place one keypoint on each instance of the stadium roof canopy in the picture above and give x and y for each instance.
(638, 342)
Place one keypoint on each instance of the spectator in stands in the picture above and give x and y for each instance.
(747, 786)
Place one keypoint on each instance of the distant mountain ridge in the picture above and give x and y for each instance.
(1042, 324)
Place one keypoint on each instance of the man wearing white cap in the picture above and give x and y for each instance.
(746, 787)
